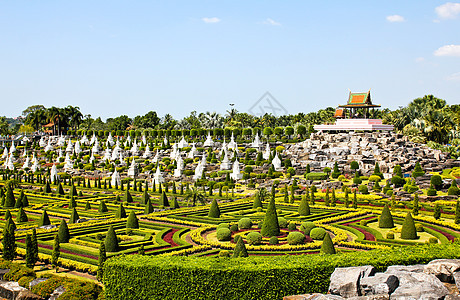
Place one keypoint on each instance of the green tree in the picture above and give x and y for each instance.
(214, 211)
(9, 242)
(121, 212)
(386, 219)
(408, 231)
(63, 233)
(415, 205)
(111, 241)
(56, 252)
(44, 219)
(74, 217)
(29, 252)
(437, 211)
(9, 200)
(21, 216)
(270, 225)
(132, 221)
(101, 261)
(127, 197)
(102, 207)
(148, 207)
(34, 243)
(327, 247)
(240, 249)
(304, 208)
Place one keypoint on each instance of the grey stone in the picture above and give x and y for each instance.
(456, 276)
(37, 281)
(413, 285)
(28, 295)
(372, 297)
(3, 272)
(57, 292)
(380, 284)
(443, 268)
(398, 268)
(10, 289)
(345, 281)
(315, 296)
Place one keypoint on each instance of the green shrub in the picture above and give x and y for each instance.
(417, 171)
(63, 232)
(223, 225)
(44, 219)
(295, 238)
(419, 227)
(240, 249)
(431, 191)
(223, 234)
(254, 238)
(273, 240)
(304, 207)
(453, 189)
(436, 181)
(244, 223)
(270, 226)
(306, 227)
(357, 180)
(132, 221)
(214, 211)
(386, 219)
(318, 233)
(397, 181)
(433, 240)
(327, 247)
(111, 240)
(224, 253)
(363, 189)
(234, 227)
(292, 226)
(374, 178)
(316, 176)
(282, 222)
(408, 231)
(390, 236)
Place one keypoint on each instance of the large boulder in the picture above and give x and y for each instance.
(27, 295)
(10, 289)
(313, 297)
(380, 284)
(345, 281)
(443, 268)
(418, 285)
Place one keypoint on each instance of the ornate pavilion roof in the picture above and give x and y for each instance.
(359, 100)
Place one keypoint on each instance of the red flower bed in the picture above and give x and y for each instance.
(68, 252)
(169, 238)
(448, 236)
(367, 235)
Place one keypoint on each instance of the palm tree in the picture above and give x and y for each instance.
(263, 194)
(75, 115)
(195, 195)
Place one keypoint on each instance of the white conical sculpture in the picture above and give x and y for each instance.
(53, 174)
(115, 154)
(5, 163)
(35, 165)
(173, 153)
(134, 148)
(121, 158)
(192, 152)
(133, 170)
(256, 143)
(147, 153)
(42, 142)
(116, 179)
(92, 158)
(144, 140)
(69, 147)
(61, 141)
(12, 148)
(24, 154)
(77, 147)
(93, 138)
(107, 154)
(68, 165)
(155, 158)
(158, 177)
(198, 171)
(84, 139)
(165, 141)
(5, 153)
(60, 154)
(128, 139)
(182, 143)
(232, 144)
(276, 162)
(26, 163)
(95, 148)
(208, 142)
(49, 147)
(266, 153)
(110, 139)
(179, 168)
(226, 164)
(236, 174)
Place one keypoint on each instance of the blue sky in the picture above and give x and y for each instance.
(130, 57)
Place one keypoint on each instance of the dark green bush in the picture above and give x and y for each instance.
(244, 223)
(282, 222)
(254, 238)
(363, 189)
(316, 176)
(386, 219)
(318, 233)
(327, 247)
(306, 227)
(224, 234)
(295, 238)
(408, 231)
(273, 240)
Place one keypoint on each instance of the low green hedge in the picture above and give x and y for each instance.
(255, 277)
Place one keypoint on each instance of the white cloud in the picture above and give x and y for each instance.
(454, 77)
(270, 21)
(395, 18)
(448, 50)
(211, 20)
(448, 10)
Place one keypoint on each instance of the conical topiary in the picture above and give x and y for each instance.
(11, 222)
(145, 197)
(257, 203)
(386, 219)
(270, 226)
(74, 217)
(9, 200)
(148, 207)
(21, 216)
(111, 241)
(102, 207)
(88, 205)
(72, 202)
(327, 247)
(175, 203)
(25, 201)
(408, 231)
(132, 221)
(44, 219)
(304, 207)
(63, 232)
(59, 189)
(214, 211)
(457, 212)
(164, 199)
(73, 191)
(127, 197)
(121, 212)
(240, 249)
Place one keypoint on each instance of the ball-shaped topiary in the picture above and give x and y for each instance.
(408, 231)
(283, 223)
(254, 238)
(453, 189)
(318, 233)
(223, 234)
(223, 225)
(390, 236)
(386, 219)
(306, 227)
(292, 226)
(244, 223)
(363, 189)
(273, 240)
(295, 238)
(436, 181)
(234, 227)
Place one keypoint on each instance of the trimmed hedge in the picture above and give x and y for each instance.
(177, 277)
